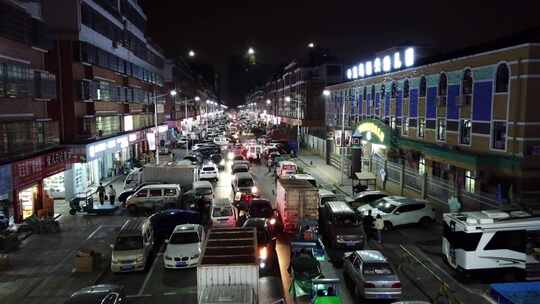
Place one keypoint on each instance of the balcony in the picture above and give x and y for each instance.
(104, 126)
(20, 138)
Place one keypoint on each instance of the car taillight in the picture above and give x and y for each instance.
(369, 285)
(396, 285)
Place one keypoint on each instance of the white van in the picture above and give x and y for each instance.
(286, 168)
(132, 246)
(492, 240)
(154, 197)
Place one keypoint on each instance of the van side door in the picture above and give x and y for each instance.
(155, 198)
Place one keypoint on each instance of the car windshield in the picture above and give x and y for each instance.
(325, 200)
(209, 169)
(222, 211)
(184, 238)
(377, 269)
(346, 220)
(203, 191)
(128, 243)
(261, 210)
(245, 182)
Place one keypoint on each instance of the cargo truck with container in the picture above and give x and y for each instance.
(182, 173)
(296, 201)
(229, 261)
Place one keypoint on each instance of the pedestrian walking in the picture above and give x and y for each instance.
(112, 194)
(101, 193)
(269, 164)
(379, 226)
(367, 222)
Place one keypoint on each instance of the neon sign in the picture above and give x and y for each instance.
(389, 62)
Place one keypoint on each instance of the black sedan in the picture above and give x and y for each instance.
(97, 294)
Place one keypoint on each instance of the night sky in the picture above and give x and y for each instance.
(352, 30)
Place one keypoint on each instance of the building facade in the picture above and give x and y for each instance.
(29, 130)
(469, 122)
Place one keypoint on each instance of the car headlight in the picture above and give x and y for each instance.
(272, 221)
(139, 259)
(168, 258)
(195, 256)
(254, 189)
(263, 253)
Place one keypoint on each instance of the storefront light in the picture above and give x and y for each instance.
(111, 144)
(162, 129)
(132, 137)
(92, 151)
(100, 147)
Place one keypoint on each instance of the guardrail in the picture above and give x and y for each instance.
(409, 266)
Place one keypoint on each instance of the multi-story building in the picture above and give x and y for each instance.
(29, 130)
(466, 122)
(109, 76)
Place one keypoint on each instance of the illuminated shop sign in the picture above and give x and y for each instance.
(383, 64)
(373, 131)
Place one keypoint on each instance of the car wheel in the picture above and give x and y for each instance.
(388, 226)
(425, 221)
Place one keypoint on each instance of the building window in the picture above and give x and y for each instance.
(470, 181)
(406, 88)
(503, 77)
(365, 93)
(423, 86)
(421, 127)
(465, 131)
(441, 129)
(467, 85)
(421, 165)
(443, 85)
(372, 92)
(498, 135)
(393, 122)
(383, 90)
(394, 90)
(405, 129)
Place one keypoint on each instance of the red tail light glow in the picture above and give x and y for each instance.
(369, 285)
(396, 285)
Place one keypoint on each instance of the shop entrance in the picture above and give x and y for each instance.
(27, 200)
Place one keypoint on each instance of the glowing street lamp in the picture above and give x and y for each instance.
(326, 93)
(191, 53)
(268, 101)
(311, 45)
(251, 51)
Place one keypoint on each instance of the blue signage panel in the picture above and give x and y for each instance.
(5, 181)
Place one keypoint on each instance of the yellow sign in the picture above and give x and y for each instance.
(373, 129)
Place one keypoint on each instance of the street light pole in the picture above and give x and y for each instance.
(342, 139)
(173, 94)
(298, 125)
(185, 119)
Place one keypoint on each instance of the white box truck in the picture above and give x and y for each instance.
(182, 173)
(296, 200)
(229, 261)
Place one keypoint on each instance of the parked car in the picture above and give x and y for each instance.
(243, 182)
(366, 197)
(369, 275)
(164, 221)
(209, 171)
(154, 197)
(399, 210)
(222, 215)
(132, 247)
(99, 294)
(126, 193)
(184, 246)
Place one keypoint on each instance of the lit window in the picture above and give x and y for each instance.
(498, 135)
(406, 88)
(377, 65)
(467, 83)
(369, 68)
(443, 85)
(422, 165)
(361, 71)
(465, 131)
(470, 181)
(423, 86)
(421, 127)
(409, 57)
(387, 63)
(405, 125)
(397, 60)
(441, 129)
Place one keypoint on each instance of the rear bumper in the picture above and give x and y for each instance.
(382, 294)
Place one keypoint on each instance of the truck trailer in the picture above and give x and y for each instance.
(296, 200)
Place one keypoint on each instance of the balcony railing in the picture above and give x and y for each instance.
(104, 126)
(19, 138)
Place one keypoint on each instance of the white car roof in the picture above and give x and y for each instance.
(202, 184)
(401, 200)
(286, 162)
(326, 193)
(161, 186)
(366, 193)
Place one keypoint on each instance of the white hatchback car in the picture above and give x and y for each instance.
(399, 210)
(184, 246)
(222, 215)
(209, 171)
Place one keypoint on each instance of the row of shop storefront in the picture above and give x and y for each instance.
(32, 184)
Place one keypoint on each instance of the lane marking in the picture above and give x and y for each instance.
(171, 293)
(94, 232)
(149, 274)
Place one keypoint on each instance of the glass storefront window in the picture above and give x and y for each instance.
(470, 181)
(421, 165)
(27, 198)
